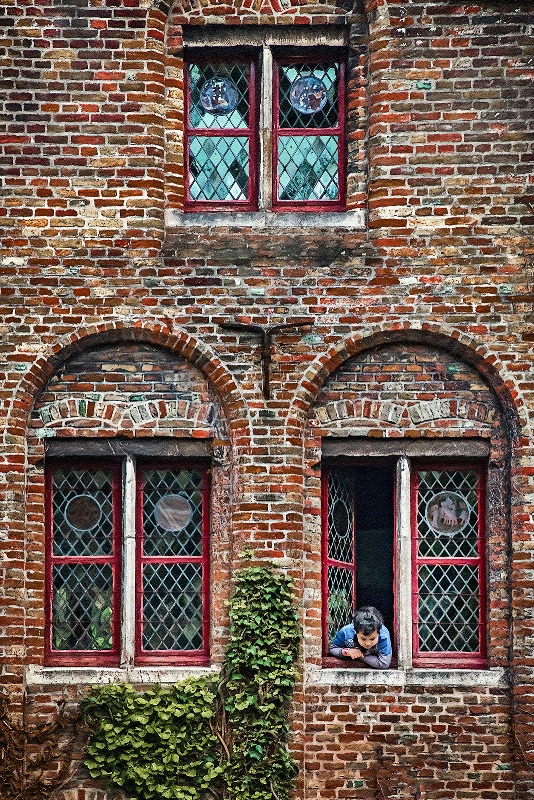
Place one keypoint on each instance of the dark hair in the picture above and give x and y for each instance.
(367, 620)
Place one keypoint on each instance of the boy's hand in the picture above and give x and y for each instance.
(352, 652)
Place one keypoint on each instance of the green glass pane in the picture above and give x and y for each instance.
(218, 168)
(82, 607)
(172, 607)
(308, 168)
(448, 610)
(340, 599)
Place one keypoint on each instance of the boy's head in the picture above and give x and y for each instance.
(367, 623)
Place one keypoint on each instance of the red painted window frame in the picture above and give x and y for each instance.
(252, 132)
(319, 55)
(326, 561)
(330, 562)
(439, 659)
(173, 657)
(84, 657)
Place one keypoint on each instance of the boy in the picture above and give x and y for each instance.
(366, 639)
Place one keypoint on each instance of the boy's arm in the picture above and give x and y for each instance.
(337, 646)
(380, 661)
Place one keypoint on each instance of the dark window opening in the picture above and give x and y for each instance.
(358, 535)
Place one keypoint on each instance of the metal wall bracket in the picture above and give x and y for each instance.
(266, 334)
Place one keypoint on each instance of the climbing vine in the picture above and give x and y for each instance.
(36, 759)
(201, 738)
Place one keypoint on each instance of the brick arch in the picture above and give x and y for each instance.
(453, 342)
(181, 343)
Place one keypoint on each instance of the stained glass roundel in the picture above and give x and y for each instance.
(219, 96)
(83, 512)
(172, 512)
(447, 513)
(308, 94)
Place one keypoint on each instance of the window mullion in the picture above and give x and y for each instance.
(404, 565)
(266, 129)
(128, 597)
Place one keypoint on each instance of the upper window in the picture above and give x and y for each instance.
(127, 571)
(413, 548)
(283, 151)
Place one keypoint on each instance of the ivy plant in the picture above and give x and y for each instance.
(200, 738)
(257, 682)
(157, 744)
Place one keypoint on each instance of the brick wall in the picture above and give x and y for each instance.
(440, 122)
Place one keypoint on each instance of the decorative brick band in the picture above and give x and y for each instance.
(120, 415)
(341, 411)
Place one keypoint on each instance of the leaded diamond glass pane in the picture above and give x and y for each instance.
(218, 167)
(83, 512)
(308, 96)
(82, 607)
(172, 607)
(448, 615)
(340, 519)
(219, 96)
(308, 168)
(340, 599)
(172, 513)
(447, 514)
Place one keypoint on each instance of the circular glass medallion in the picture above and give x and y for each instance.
(447, 513)
(218, 96)
(308, 95)
(341, 519)
(83, 512)
(172, 512)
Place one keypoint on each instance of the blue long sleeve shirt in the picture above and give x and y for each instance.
(377, 657)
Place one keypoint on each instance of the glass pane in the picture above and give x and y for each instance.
(218, 167)
(340, 599)
(308, 96)
(219, 96)
(308, 168)
(172, 607)
(172, 513)
(340, 519)
(83, 512)
(447, 514)
(448, 608)
(82, 607)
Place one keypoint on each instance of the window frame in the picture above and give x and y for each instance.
(263, 127)
(126, 628)
(109, 657)
(200, 656)
(405, 487)
(252, 132)
(328, 562)
(435, 659)
(303, 56)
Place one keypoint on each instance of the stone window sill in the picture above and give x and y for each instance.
(86, 676)
(266, 220)
(314, 676)
(343, 676)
